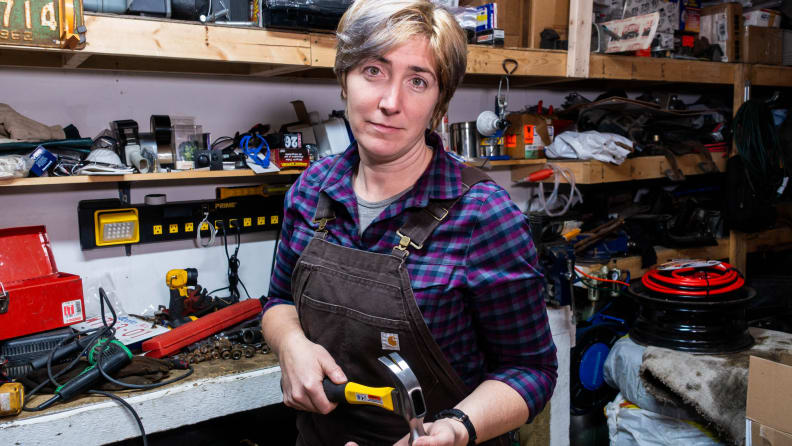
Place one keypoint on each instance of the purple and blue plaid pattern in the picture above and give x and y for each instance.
(474, 280)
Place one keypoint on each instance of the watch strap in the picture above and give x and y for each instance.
(462, 417)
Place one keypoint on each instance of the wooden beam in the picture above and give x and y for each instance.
(738, 250)
(608, 66)
(123, 36)
(639, 168)
(580, 13)
(771, 75)
(323, 50)
(488, 60)
(74, 60)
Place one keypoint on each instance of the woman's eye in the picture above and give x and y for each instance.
(418, 82)
(372, 71)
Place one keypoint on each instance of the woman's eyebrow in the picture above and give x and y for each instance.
(415, 68)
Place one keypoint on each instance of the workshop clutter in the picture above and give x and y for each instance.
(322, 15)
(690, 29)
(172, 143)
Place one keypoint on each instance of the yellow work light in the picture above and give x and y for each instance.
(116, 226)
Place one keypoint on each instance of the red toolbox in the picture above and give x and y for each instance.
(34, 296)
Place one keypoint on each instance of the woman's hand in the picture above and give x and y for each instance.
(303, 367)
(443, 432)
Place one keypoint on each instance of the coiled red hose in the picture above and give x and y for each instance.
(702, 280)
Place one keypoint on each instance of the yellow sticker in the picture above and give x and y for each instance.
(247, 222)
(157, 229)
(188, 227)
(274, 220)
(173, 229)
(261, 221)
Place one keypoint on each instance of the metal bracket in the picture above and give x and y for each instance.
(124, 194)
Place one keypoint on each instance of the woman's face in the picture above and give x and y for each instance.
(390, 100)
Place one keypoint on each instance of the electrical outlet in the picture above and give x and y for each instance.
(157, 229)
(247, 222)
(232, 223)
(261, 221)
(188, 227)
(204, 226)
(274, 220)
(173, 229)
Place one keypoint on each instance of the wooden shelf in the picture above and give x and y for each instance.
(770, 239)
(131, 43)
(640, 168)
(138, 44)
(140, 177)
(605, 66)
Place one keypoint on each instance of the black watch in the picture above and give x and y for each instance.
(456, 414)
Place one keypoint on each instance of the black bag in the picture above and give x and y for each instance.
(745, 208)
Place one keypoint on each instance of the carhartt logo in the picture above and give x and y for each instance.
(390, 341)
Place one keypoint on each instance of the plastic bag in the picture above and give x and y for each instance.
(605, 147)
(629, 425)
(91, 297)
(15, 166)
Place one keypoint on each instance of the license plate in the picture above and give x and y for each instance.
(44, 23)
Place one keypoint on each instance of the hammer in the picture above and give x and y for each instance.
(406, 399)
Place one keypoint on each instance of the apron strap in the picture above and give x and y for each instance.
(422, 222)
(324, 213)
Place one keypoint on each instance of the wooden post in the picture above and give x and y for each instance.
(738, 245)
(580, 15)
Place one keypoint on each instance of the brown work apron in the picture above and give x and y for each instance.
(359, 305)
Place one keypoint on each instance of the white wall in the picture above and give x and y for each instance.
(223, 105)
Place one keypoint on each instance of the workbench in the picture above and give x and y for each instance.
(217, 388)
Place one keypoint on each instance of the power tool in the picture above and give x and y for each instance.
(178, 280)
(114, 356)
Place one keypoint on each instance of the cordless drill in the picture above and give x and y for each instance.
(178, 280)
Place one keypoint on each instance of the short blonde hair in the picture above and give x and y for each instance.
(371, 28)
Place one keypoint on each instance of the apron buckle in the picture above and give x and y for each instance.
(322, 223)
(405, 242)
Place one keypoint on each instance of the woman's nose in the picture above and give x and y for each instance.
(390, 99)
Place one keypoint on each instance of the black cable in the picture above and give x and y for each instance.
(758, 145)
(129, 408)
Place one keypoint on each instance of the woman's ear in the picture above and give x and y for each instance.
(343, 85)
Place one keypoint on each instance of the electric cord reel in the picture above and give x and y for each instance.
(697, 306)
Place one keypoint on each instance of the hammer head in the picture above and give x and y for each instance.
(411, 401)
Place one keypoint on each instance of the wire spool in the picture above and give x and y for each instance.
(162, 130)
(694, 306)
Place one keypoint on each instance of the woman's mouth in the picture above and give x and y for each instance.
(383, 128)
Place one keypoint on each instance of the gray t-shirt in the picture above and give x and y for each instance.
(369, 210)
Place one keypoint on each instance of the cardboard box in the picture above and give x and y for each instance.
(542, 14)
(722, 24)
(509, 16)
(527, 136)
(763, 17)
(34, 296)
(762, 45)
(769, 403)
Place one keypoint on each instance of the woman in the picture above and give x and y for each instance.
(394, 246)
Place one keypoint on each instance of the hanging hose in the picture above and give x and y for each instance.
(554, 200)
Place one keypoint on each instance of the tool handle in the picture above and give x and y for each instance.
(335, 392)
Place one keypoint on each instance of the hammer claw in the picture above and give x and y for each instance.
(411, 405)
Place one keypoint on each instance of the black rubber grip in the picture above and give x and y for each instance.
(334, 392)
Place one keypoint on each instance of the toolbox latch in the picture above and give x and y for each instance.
(3, 299)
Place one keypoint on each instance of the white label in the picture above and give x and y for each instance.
(390, 341)
(364, 398)
(687, 263)
(72, 311)
(5, 402)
